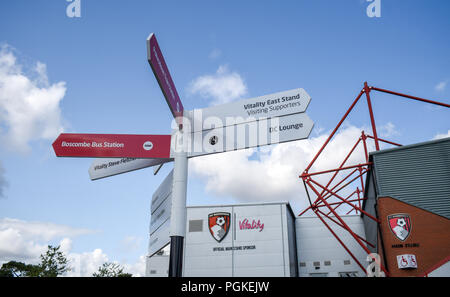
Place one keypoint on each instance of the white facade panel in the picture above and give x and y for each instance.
(201, 254)
(260, 271)
(318, 251)
(255, 243)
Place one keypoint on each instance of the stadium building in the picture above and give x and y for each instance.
(407, 190)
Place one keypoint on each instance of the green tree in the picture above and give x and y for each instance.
(111, 270)
(53, 263)
(18, 269)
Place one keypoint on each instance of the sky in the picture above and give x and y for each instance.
(89, 74)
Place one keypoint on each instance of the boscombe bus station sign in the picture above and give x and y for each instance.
(269, 119)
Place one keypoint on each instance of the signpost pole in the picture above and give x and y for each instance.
(178, 214)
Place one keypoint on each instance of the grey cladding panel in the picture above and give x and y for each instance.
(418, 175)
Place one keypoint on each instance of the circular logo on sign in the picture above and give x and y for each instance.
(148, 145)
(213, 140)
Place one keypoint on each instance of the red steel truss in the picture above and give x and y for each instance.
(323, 205)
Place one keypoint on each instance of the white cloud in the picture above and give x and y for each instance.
(26, 241)
(29, 105)
(387, 130)
(443, 135)
(222, 87)
(137, 269)
(85, 264)
(441, 86)
(274, 176)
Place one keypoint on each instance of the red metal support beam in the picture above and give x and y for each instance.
(347, 228)
(336, 203)
(341, 242)
(332, 193)
(372, 118)
(348, 183)
(342, 164)
(336, 195)
(334, 131)
(366, 152)
(411, 97)
(334, 187)
(384, 140)
(340, 225)
(305, 175)
(351, 233)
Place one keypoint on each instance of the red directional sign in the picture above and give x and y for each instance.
(112, 146)
(162, 74)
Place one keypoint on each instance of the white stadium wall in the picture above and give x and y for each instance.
(256, 243)
(264, 239)
(320, 254)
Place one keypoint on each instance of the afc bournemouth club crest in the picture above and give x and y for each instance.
(400, 225)
(219, 225)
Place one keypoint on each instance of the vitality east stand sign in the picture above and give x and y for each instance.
(278, 117)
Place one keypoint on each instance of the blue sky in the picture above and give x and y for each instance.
(329, 48)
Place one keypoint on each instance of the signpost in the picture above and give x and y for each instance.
(268, 119)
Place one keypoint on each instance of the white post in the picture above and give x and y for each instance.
(178, 214)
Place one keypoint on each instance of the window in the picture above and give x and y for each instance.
(327, 263)
(152, 271)
(348, 274)
(302, 264)
(195, 225)
(346, 262)
(316, 263)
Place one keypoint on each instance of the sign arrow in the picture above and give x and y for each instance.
(105, 167)
(112, 146)
(162, 74)
(249, 110)
(247, 135)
